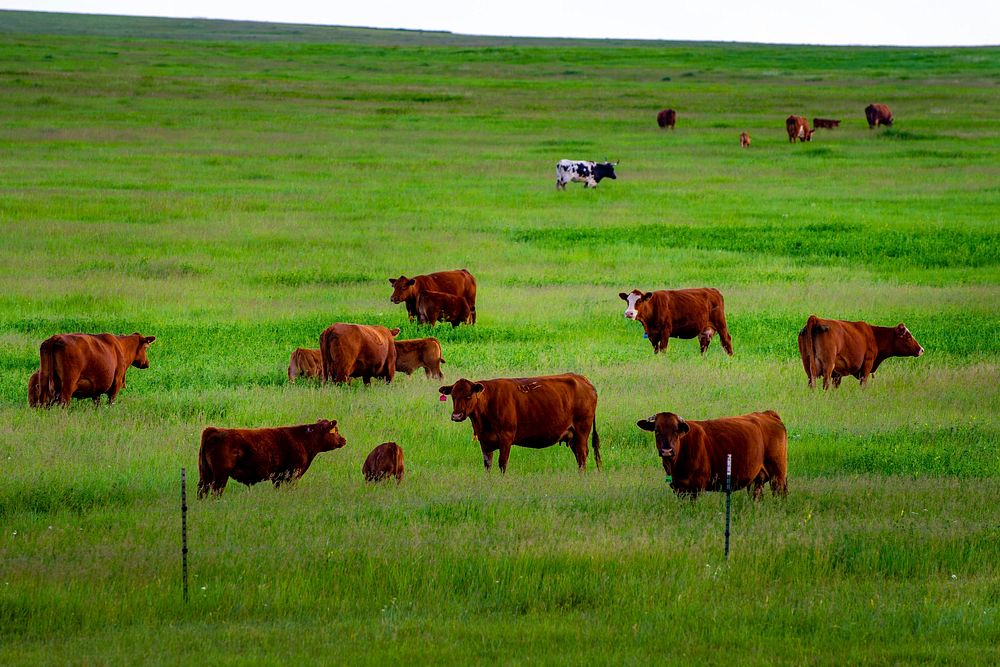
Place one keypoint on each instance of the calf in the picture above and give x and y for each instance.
(693, 453)
(878, 114)
(682, 313)
(836, 348)
(666, 118)
(358, 350)
(252, 455)
(581, 171)
(419, 353)
(434, 306)
(88, 365)
(744, 140)
(798, 128)
(827, 123)
(459, 283)
(534, 412)
(385, 461)
(305, 362)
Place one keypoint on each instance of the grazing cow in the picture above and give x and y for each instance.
(744, 140)
(878, 114)
(533, 412)
(835, 348)
(681, 313)
(88, 365)
(358, 350)
(827, 123)
(34, 391)
(577, 171)
(694, 452)
(433, 306)
(459, 282)
(798, 128)
(419, 353)
(252, 455)
(666, 118)
(385, 461)
(305, 362)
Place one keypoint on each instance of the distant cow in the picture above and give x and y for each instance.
(459, 283)
(305, 362)
(878, 114)
(833, 349)
(666, 118)
(744, 140)
(34, 391)
(88, 365)
(582, 171)
(534, 412)
(385, 461)
(827, 123)
(682, 313)
(433, 306)
(358, 350)
(252, 455)
(419, 353)
(693, 453)
(798, 128)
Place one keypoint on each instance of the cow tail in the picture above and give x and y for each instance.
(48, 375)
(204, 473)
(596, 441)
(293, 368)
(807, 344)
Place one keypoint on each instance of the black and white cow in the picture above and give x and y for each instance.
(590, 173)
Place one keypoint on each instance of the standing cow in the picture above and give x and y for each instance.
(744, 140)
(457, 283)
(682, 313)
(582, 171)
(798, 128)
(878, 114)
(358, 350)
(420, 353)
(832, 349)
(305, 362)
(666, 118)
(433, 306)
(88, 366)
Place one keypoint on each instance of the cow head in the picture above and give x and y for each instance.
(904, 344)
(141, 361)
(808, 135)
(635, 299)
(669, 429)
(604, 170)
(465, 396)
(325, 430)
(403, 288)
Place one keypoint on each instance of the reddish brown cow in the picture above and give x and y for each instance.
(385, 461)
(88, 365)
(878, 114)
(827, 123)
(459, 283)
(744, 140)
(34, 391)
(305, 362)
(836, 348)
(433, 306)
(419, 353)
(694, 452)
(798, 128)
(358, 350)
(534, 412)
(666, 118)
(252, 455)
(681, 313)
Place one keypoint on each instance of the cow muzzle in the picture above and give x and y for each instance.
(394, 299)
(920, 352)
(630, 314)
(667, 453)
(458, 416)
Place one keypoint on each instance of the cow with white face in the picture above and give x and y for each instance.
(683, 313)
(589, 173)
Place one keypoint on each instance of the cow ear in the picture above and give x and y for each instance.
(331, 424)
(646, 424)
(646, 297)
(446, 390)
(478, 387)
(392, 281)
(682, 426)
(623, 296)
(900, 329)
(411, 282)
(394, 331)
(148, 339)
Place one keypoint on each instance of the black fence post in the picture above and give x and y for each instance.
(729, 496)
(184, 533)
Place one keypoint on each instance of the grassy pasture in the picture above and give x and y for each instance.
(235, 188)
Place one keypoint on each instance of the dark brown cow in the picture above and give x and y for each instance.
(305, 362)
(534, 412)
(419, 353)
(694, 452)
(833, 349)
(88, 365)
(878, 114)
(358, 350)
(798, 128)
(666, 118)
(34, 391)
(826, 123)
(680, 313)
(385, 461)
(744, 140)
(459, 283)
(252, 455)
(433, 306)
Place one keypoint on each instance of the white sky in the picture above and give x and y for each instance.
(897, 22)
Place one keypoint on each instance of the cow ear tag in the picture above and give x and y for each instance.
(443, 397)
(670, 479)
(645, 335)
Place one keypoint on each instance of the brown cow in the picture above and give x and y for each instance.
(827, 123)
(666, 118)
(694, 452)
(34, 391)
(681, 313)
(534, 412)
(419, 353)
(433, 306)
(251, 455)
(385, 461)
(358, 350)
(744, 140)
(878, 114)
(836, 348)
(305, 362)
(88, 365)
(798, 128)
(459, 282)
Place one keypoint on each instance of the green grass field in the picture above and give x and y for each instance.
(235, 188)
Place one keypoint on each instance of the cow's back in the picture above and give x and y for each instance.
(543, 407)
(458, 282)
(689, 310)
(94, 360)
(709, 442)
(842, 341)
(355, 350)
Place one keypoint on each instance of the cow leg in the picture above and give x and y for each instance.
(866, 371)
(487, 458)
(579, 448)
(836, 381)
(705, 337)
(367, 379)
(504, 455)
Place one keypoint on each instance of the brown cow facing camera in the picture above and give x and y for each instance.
(419, 353)
(680, 313)
(798, 128)
(433, 306)
(744, 140)
(357, 350)
(383, 462)
(458, 283)
(833, 349)
(88, 366)
(666, 118)
(693, 453)
(305, 362)
(252, 455)
(878, 114)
